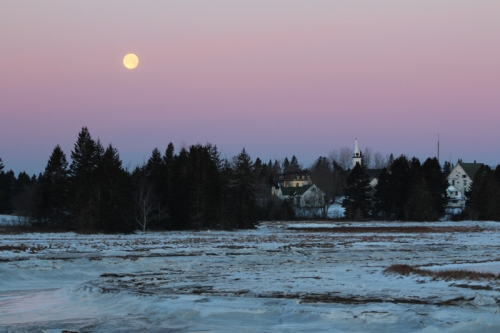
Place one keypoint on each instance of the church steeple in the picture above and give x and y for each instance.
(356, 157)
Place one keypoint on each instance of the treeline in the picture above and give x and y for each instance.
(483, 197)
(409, 190)
(406, 190)
(192, 189)
(197, 189)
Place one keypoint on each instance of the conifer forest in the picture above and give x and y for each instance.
(195, 188)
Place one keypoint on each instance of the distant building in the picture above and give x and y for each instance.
(357, 158)
(297, 187)
(307, 196)
(462, 175)
(455, 198)
(294, 179)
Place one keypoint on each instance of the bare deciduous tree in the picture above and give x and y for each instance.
(379, 160)
(367, 157)
(145, 202)
(342, 157)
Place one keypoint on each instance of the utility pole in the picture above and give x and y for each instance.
(438, 147)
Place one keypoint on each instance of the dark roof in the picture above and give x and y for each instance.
(297, 172)
(295, 190)
(470, 168)
(294, 175)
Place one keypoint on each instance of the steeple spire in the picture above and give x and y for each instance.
(356, 157)
(356, 149)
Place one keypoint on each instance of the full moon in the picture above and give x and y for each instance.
(131, 61)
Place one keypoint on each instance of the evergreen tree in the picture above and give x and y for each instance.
(357, 194)
(5, 194)
(180, 204)
(84, 197)
(383, 204)
(225, 212)
(243, 188)
(322, 176)
(484, 195)
(447, 167)
(437, 183)
(420, 204)
(156, 174)
(399, 186)
(203, 185)
(54, 191)
(286, 165)
(115, 195)
(294, 164)
(167, 190)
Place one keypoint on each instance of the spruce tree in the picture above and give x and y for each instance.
(54, 191)
(180, 204)
(83, 196)
(420, 205)
(383, 198)
(5, 206)
(357, 200)
(243, 188)
(483, 195)
(115, 195)
(294, 164)
(437, 183)
(399, 186)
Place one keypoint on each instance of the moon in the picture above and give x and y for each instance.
(131, 61)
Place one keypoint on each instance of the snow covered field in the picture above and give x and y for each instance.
(282, 277)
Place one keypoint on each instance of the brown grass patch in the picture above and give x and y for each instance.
(21, 247)
(390, 229)
(446, 274)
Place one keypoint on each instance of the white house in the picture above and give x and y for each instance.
(302, 196)
(462, 175)
(455, 198)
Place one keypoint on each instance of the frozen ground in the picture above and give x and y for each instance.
(282, 277)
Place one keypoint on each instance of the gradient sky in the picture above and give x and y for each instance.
(276, 77)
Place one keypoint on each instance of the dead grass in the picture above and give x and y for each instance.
(446, 274)
(391, 229)
(21, 247)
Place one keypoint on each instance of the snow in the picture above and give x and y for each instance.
(272, 279)
(8, 220)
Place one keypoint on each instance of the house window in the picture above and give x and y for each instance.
(463, 176)
(313, 189)
(465, 182)
(297, 185)
(453, 182)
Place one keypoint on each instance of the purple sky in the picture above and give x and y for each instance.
(276, 77)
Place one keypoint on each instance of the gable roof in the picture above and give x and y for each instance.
(295, 190)
(470, 168)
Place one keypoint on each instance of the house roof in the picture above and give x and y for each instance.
(295, 190)
(452, 188)
(470, 168)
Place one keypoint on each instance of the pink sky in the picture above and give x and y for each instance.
(276, 77)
